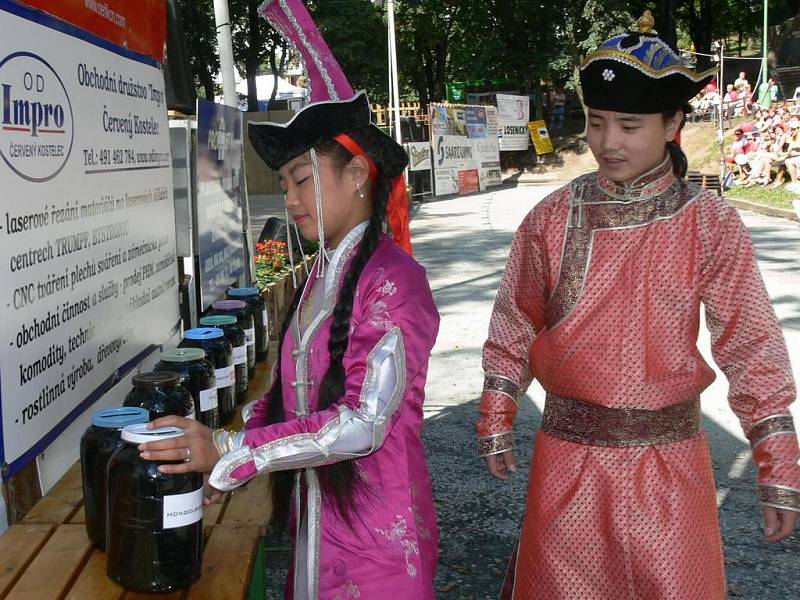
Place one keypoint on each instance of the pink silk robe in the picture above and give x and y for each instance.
(391, 545)
(601, 301)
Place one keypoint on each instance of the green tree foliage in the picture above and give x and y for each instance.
(257, 47)
(521, 42)
(201, 43)
(355, 31)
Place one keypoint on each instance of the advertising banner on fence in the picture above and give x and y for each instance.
(451, 154)
(446, 181)
(454, 151)
(540, 137)
(220, 245)
(488, 157)
(87, 235)
(512, 121)
(419, 156)
(454, 154)
(475, 117)
(468, 181)
(491, 122)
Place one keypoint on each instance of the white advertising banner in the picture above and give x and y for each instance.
(512, 122)
(446, 181)
(87, 226)
(419, 156)
(487, 153)
(454, 151)
(491, 122)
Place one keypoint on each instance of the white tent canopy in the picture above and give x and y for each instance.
(264, 84)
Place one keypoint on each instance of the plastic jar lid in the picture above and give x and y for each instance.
(117, 418)
(217, 320)
(183, 355)
(229, 305)
(243, 292)
(156, 379)
(139, 433)
(203, 333)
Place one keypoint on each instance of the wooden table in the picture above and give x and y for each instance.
(48, 555)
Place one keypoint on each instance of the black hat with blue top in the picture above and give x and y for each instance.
(639, 73)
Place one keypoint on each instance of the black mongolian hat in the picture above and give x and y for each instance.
(639, 73)
(278, 143)
(330, 117)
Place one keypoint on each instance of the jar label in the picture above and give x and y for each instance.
(239, 354)
(250, 334)
(183, 509)
(208, 399)
(226, 377)
(265, 320)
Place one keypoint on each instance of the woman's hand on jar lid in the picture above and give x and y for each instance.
(195, 448)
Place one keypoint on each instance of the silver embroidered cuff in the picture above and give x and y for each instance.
(247, 411)
(769, 427)
(502, 385)
(220, 477)
(495, 444)
(779, 496)
(227, 441)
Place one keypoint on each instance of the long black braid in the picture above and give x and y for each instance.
(680, 164)
(339, 480)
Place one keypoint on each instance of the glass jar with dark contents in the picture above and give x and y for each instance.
(220, 353)
(155, 520)
(244, 317)
(100, 440)
(198, 376)
(161, 394)
(235, 335)
(258, 306)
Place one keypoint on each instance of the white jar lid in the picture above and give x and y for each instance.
(139, 433)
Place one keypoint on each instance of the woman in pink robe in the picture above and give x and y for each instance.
(600, 302)
(344, 416)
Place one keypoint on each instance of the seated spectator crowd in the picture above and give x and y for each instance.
(766, 149)
(766, 144)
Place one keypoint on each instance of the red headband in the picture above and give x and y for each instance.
(397, 206)
(353, 148)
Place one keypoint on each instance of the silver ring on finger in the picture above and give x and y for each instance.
(188, 455)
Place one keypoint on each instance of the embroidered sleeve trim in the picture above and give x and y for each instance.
(247, 411)
(221, 478)
(502, 385)
(495, 444)
(769, 427)
(779, 496)
(351, 433)
(227, 441)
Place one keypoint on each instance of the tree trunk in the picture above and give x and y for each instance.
(419, 77)
(429, 76)
(273, 64)
(440, 55)
(667, 27)
(700, 28)
(251, 61)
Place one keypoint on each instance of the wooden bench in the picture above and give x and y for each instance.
(48, 555)
(707, 181)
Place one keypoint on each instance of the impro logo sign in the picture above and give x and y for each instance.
(36, 122)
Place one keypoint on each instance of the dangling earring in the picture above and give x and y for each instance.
(360, 193)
